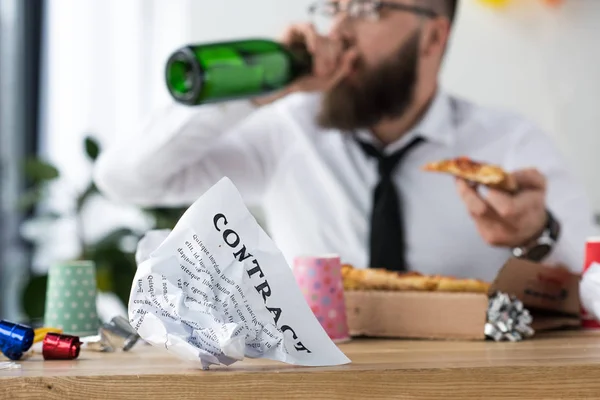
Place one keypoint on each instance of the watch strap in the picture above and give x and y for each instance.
(540, 247)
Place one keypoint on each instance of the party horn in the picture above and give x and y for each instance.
(40, 333)
(60, 347)
(120, 326)
(15, 339)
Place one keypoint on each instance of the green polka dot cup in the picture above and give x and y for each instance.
(71, 298)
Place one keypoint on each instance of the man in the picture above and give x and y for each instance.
(335, 160)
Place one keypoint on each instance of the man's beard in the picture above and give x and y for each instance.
(383, 92)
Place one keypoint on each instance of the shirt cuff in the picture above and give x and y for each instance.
(567, 254)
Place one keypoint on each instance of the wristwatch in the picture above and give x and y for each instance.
(539, 248)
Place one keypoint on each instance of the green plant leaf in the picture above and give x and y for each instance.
(31, 197)
(116, 269)
(34, 297)
(123, 274)
(104, 277)
(51, 215)
(92, 148)
(165, 218)
(39, 171)
(83, 197)
(113, 239)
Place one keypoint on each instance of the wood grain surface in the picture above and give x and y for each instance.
(562, 365)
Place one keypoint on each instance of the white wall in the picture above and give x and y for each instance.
(229, 19)
(104, 67)
(541, 62)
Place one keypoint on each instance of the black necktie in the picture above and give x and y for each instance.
(387, 246)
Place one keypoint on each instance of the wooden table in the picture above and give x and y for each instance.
(559, 365)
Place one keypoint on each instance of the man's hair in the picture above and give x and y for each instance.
(446, 8)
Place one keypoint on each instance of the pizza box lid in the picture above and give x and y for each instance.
(551, 294)
(539, 287)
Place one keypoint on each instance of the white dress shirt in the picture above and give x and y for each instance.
(316, 186)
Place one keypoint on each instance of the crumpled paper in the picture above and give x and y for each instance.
(9, 365)
(150, 242)
(589, 291)
(217, 289)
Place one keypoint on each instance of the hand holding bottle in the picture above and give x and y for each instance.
(332, 59)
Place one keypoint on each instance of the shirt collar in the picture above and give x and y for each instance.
(437, 125)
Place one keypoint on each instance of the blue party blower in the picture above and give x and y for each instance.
(15, 339)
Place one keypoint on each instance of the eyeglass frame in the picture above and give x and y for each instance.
(378, 6)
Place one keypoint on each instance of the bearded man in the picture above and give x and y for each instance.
(335, 159)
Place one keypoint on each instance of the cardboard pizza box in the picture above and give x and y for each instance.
(550, 294)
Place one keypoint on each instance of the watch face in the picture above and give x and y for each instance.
(537, 253)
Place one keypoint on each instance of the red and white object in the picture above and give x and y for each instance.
(320, 279)
(590, 285)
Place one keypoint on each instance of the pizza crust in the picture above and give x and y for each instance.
(381, 279)
(449, 284)
(489, 175)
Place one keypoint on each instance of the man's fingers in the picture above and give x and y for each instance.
(301, 33)
(345, 67)
(326, 52)
(503, 203)
(530, 179)
(475, 204)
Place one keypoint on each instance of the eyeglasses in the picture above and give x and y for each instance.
(367, 9)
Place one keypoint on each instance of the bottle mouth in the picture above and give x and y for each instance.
(184, 76)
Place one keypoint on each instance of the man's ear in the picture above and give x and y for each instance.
(435, 36)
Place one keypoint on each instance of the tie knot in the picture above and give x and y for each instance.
(388, 163)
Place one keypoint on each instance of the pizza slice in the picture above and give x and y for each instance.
(489, 175)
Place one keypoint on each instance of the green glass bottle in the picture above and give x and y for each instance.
(214, 72)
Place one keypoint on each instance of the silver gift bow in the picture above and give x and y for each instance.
(507, 319)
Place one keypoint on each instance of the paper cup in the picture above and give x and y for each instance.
(592, 252)
(71, 298)
(592, 255)
(320, 280)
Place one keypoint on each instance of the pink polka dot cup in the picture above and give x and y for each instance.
(320, 280)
